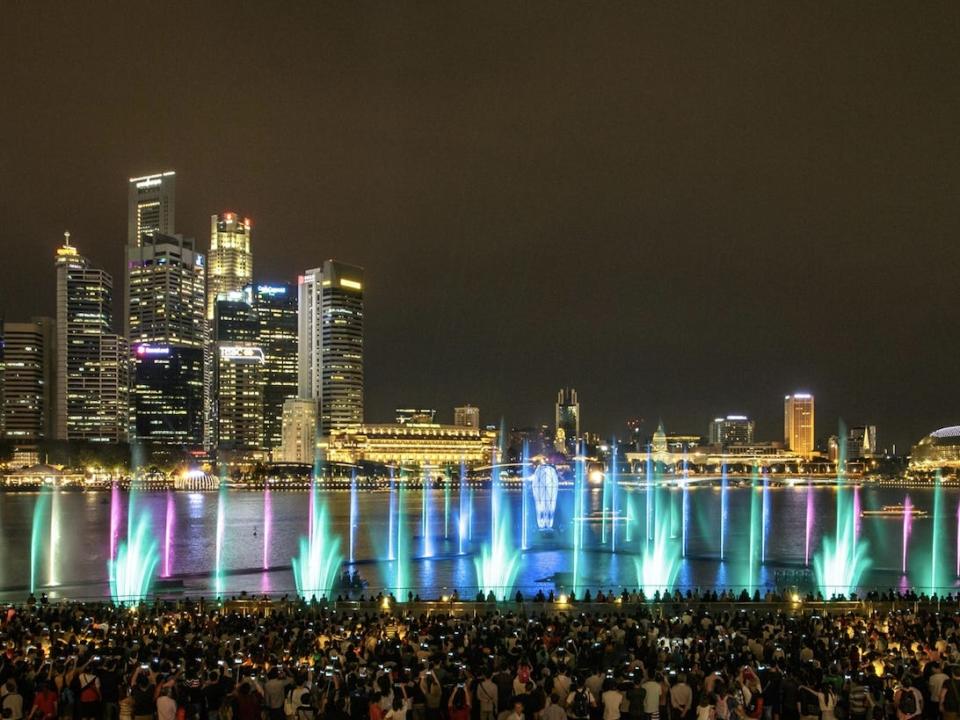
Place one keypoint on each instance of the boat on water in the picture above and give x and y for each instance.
(897, 511)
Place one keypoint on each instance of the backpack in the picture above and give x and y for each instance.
(581, 705)
(908, 701)
(89, 692)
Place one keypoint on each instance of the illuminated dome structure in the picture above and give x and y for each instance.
(939, 449)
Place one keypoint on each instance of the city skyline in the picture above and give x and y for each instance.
(666, 263)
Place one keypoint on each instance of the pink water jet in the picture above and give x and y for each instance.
(907, 528)
(267, 525)
(116, 511)
(168, 536)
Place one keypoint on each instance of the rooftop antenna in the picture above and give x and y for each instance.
(66, 238)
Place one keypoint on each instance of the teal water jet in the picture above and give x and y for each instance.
(498, 563)
(131, 573)
(36, 535)
(843, 560)
(659, 562)
(316, 568)
(401, 561)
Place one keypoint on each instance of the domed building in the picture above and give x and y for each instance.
(939, 449)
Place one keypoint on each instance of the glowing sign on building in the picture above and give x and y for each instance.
(271, 290)
(235, 353)
(152, 350)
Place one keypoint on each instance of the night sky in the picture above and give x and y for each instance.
(680, 209)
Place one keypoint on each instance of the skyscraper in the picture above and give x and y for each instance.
(798, 423)
(230, 262)
(166, 325)
(276, 307)
(567, 417)
(330, 367)
(229, 270)
(731, 430)
(165, 291)
(92, 364)
(27, 387)
(238, 374)
(467, 416)
(151, 206)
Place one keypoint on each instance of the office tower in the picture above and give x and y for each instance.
(467, 416)
(92, 363)
(166, 326)
(415, 416)
(798, 423)
(229, 263)
(567, 417)
(299, 430)
(229, 270)
(731, 430)
(238, 374)
(862, 442)
(331, 343)
(165, 291)
(151, 206)
(27, 389)
(167, 394)
(276, 307)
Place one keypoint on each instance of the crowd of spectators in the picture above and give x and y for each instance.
(676, 660)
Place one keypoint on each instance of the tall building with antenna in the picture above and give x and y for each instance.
(91, 399)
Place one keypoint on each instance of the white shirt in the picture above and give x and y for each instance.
(611, 705)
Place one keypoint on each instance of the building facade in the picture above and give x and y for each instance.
(299, 429)
(276, 307)
(238, 374)
(166, 324)
(230, 261)
(862, 442)
(151, 206)
(91, 398)
(167, 394)
(330, 328)
(415, 416)
(27, 385)
(798, 424)
(412, 445)
(731, 430)
(567, 418)
(467, 416)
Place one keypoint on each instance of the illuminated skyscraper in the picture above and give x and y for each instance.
(229, 262)
(165, 291)
(27, 387)
(238, 374)
(92, 364)
(798, 423)
(151, 206)
(166, 325)
(331, 343)
(567, 417)
(276, 307)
